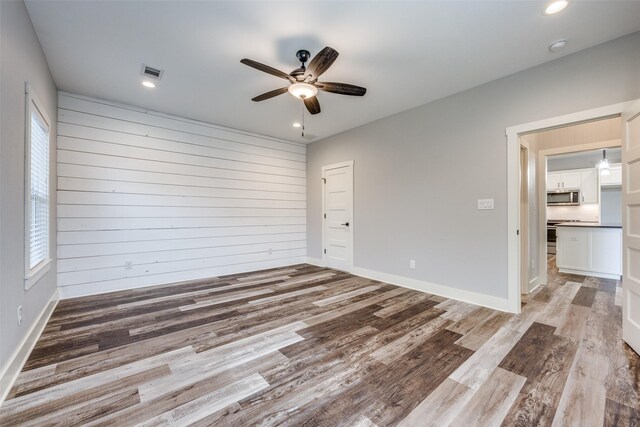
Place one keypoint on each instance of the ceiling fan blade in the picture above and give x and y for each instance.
(270, 94)
(267, 69)
(321, 62)
(312, 104)
(342, 88)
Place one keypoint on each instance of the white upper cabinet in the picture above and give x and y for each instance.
(554, 180)
(585, 180)
(614, 178)
(567, 180)
(572, 179)
(589, 186)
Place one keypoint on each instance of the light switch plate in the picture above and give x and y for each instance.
(485, 204)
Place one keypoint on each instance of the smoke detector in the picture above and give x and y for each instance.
(557, 45)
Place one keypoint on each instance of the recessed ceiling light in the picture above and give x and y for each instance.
(296, 125)
(556, 6)
(557, 45)
(147, 83)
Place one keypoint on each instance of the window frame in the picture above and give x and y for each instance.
(33, 275)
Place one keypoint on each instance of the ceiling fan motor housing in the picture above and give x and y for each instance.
(303, 56)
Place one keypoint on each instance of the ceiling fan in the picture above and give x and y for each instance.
(303, 81)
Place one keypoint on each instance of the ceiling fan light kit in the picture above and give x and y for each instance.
(303, 81)
(303, 90)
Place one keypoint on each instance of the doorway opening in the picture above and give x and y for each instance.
(569, 191)
(527, 267)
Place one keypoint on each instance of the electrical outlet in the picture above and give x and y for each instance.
(270, 251)
(412, 263)
(128, 265)
(19, 315)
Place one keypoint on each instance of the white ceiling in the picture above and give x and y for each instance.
(405, 53)
(583, 159)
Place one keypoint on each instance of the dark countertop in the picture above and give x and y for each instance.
(589, 224)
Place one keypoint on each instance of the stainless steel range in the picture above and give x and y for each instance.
(551, 235)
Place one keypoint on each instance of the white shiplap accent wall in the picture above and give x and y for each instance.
(145, 198)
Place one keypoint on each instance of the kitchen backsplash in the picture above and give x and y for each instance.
(581, 213)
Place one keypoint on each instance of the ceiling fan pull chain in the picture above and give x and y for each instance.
(302, 105)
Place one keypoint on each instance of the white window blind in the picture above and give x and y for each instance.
(39, 191)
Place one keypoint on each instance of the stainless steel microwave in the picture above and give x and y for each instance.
(563, 198)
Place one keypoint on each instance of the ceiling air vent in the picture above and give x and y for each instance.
(151, 72)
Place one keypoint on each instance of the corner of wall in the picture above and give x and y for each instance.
(9, 373)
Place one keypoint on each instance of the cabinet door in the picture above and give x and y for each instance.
(571, 180)
(606, 250)
(589, 186)
(554, 180)
(572, 248)
(614, 177)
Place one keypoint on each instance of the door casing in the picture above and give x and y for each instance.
(524, 218)
(513, 134)
(349, 164)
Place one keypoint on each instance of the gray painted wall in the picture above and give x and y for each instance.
(22, 60)
(418, 174)
(611, 205)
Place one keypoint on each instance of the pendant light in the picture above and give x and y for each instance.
(604, 164)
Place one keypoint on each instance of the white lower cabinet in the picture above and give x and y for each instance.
(591, 251)
(573, 252)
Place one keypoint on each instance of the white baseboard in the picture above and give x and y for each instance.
(534, 283)
(315, 261)
(589, 273)
(536, 286)
(16, 362)
(98, 288)
(470, 297)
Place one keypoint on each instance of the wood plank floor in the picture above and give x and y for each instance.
(309, 346)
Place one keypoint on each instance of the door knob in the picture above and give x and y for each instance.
(346, 223)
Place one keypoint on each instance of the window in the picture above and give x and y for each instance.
(37, 190)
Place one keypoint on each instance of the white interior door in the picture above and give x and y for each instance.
(631, 226)
(337, 223)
